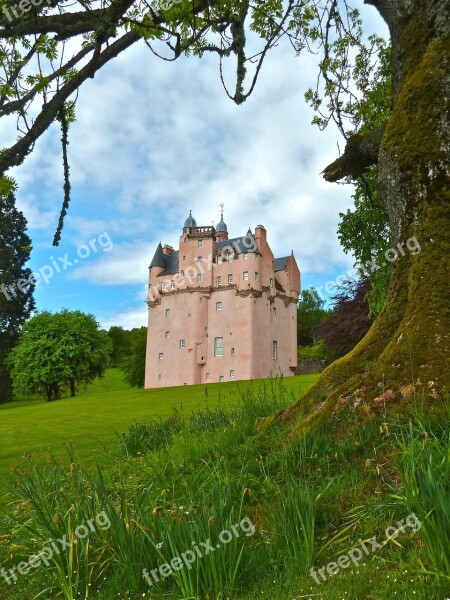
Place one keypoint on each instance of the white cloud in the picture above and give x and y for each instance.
(125, 264)
(154, 139)
(128, 319)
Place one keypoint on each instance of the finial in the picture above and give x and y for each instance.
(221, 210)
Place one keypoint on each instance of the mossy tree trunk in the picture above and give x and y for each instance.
(406, 353)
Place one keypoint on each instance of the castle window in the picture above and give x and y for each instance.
(218, 305)
(219, 280)
(167, 312)
(199, 259)
(245, 256)
(208, 377)
(159, 376)
(201, 300)
(167, 335)
(230, 258)
(200, 243)
(245, 275)
(199, 278)
(230, 278)
(184, 257)
(232, 351)
(271, 283)
(182, 344)
(232, 374)
(221, 379)
(274, 310)
(219, 260)
(172, 285)
(218, 346)
(163, 285)
(161, 356)
(274, 350)
(182, 273)
(256, 276)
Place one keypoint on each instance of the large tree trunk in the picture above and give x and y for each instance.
(406, 353)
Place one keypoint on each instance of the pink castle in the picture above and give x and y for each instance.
(220, 309)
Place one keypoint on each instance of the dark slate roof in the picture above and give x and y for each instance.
(190, 221)
(168, 262)
(172, 263)
(279, 264)
(240, 245)
(159, 260)
(221, 226)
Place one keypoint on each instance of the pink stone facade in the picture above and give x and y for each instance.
(220, 309)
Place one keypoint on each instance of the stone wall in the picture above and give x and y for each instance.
(310, 365)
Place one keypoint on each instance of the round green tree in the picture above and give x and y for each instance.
(56, 352)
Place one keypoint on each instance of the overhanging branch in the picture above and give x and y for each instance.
(361, 152)
(386, 8)
(15, 155)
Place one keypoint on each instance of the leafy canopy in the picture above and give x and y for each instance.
(133, 365)
(120, 339)
(310, 313)
(16, 289)
(350, 320)
(56, 350)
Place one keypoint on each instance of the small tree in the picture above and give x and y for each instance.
(310, 313)
(55, 351)
(350, 320)
(120, 339)
(16, 284)
(134, 363)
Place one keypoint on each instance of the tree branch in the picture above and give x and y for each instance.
(67, 24)
(386, 8)
(15, 155)
(17, 105)
(361, 152)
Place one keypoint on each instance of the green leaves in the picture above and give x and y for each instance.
(57, 350)
(133, 364)
(364, 232)
(48, 46)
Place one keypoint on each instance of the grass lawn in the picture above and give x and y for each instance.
(91, 421)
(311, 499)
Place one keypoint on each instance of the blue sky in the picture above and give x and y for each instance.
(155, 139)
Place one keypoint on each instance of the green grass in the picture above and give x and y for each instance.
(91, 422)
(171, 482)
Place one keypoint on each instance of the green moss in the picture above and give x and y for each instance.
(412, 131)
